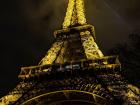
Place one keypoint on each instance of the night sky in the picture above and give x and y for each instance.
(26, 29)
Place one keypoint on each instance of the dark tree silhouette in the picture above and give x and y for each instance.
(129, 55)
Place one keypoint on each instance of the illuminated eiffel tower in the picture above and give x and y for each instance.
(74, 70)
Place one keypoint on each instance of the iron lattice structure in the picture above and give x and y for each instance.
(74, 70)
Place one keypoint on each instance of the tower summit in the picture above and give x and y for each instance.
(75, 14)
(74, 71)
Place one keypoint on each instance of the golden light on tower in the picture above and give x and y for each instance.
(74, 70)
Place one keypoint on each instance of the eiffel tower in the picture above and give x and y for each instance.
(74, 70)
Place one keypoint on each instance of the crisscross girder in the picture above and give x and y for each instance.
(75, 13)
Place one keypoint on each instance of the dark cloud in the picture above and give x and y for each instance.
(26, 29)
